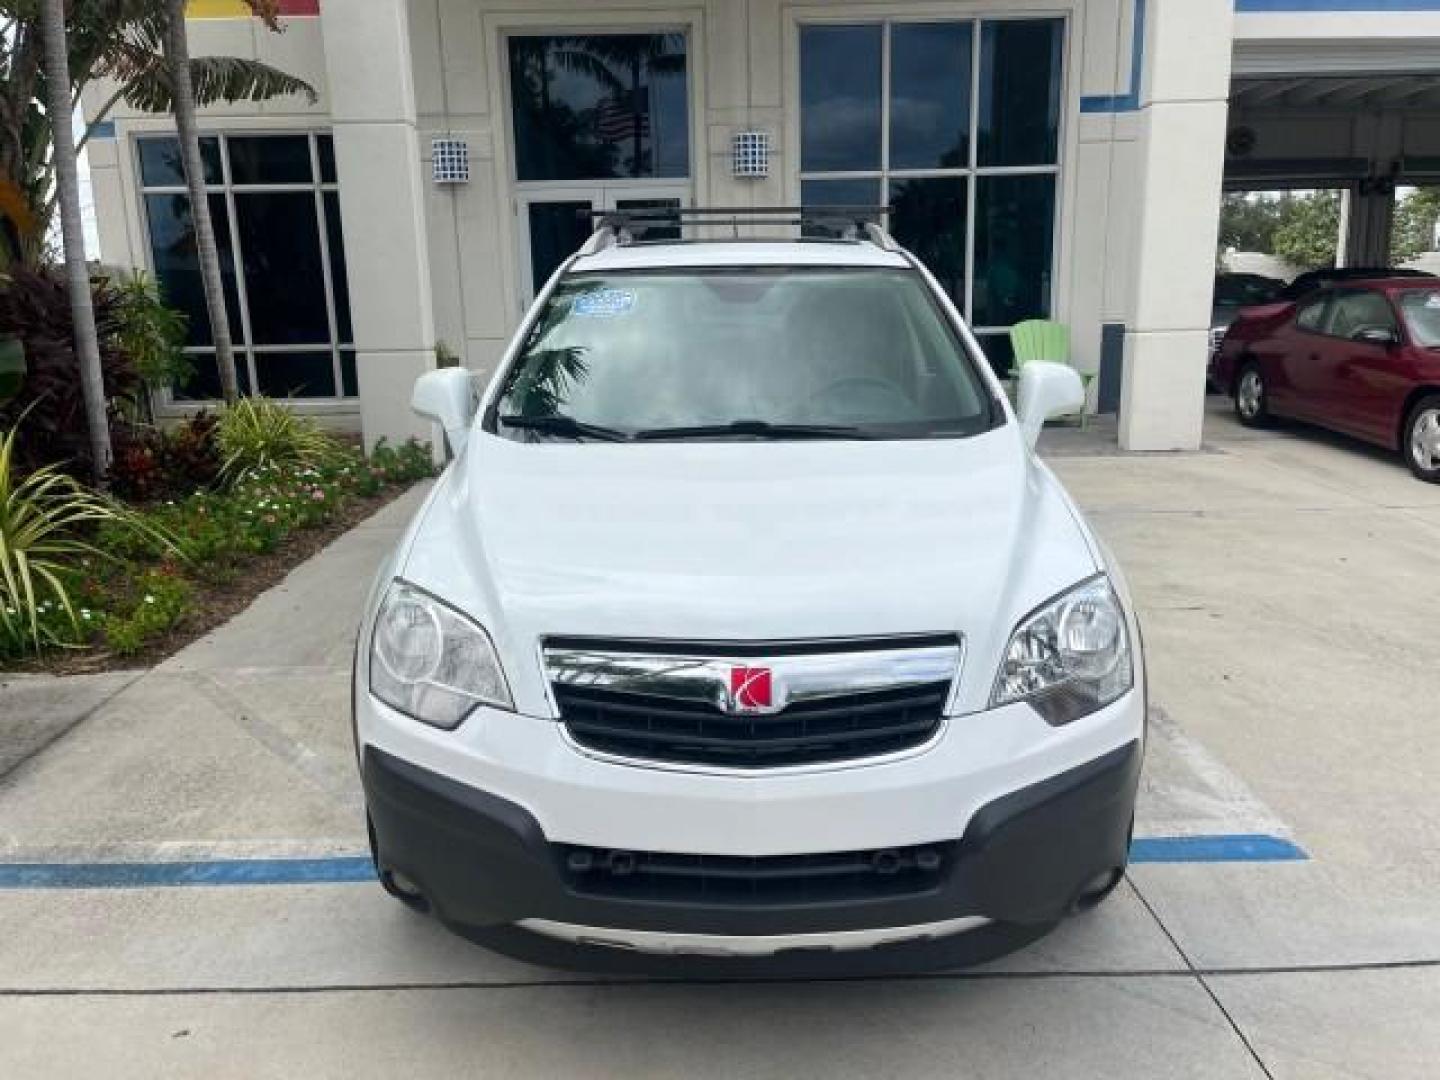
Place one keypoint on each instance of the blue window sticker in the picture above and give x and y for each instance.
(604, 303)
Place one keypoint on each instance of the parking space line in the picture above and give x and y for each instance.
(350, 869)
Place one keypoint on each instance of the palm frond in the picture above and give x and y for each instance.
(216, 79)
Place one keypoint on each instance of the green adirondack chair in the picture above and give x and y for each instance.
(12, 367)
(1041, 339)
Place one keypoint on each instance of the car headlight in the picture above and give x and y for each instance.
(1070, 657)
(432, 663)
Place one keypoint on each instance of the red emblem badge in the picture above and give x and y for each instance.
(752, 689)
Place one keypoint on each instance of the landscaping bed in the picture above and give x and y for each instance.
(202, 520)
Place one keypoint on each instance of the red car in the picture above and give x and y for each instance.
(1361, 357)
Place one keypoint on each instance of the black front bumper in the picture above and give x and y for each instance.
(483, 863)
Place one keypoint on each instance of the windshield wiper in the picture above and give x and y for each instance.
(564, 426)
(760, 429)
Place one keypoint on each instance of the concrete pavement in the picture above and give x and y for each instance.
(1284, 584)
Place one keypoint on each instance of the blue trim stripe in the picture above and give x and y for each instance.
(1215, 849)
(1129, 101)
(1265, 7)
(353, 869)
(328, 871)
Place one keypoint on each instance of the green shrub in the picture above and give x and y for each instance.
(403, 464)
(259, 433)
(156, 600)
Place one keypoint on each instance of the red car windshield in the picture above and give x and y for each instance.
(1421, 311)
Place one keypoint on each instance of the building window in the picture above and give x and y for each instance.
(276, 211)
(600, 106)
(956, 126)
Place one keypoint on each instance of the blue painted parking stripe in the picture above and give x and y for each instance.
(1213, 849)
(350, 869)
(136, 875)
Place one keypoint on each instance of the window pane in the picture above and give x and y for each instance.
(1355, 311)
(301, 375)
(1020, 91)
(999, 352)
(339, 272)
(348, 375)
(325, 147)
(270, 159)
(1014, 226)
(840, 98)
(284, 278)
(597, 106)
(837, 193)
(177, 264)
(160, 164)
(654, 232)
(930, 95)
(204, 384)
(556, 230)
(928, 217)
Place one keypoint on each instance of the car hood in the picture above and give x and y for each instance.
(746, 541)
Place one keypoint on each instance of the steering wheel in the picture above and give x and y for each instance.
(862, 397)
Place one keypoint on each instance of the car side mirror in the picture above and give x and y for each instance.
(1047, 391)
(448, 397)
(1377, 335)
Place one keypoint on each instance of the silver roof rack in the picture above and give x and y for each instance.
(619, 228)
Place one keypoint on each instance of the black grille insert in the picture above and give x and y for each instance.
(698, 733)
(733, 881)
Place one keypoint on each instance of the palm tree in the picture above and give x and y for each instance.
(122, 41)
(182, 100)
(67, 182)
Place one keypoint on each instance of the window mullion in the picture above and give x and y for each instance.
(884, 106)
(237, 262)
(323, 232)
(976, 32)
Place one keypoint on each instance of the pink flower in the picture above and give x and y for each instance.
(318, 495)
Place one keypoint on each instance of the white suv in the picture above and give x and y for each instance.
(745, 629)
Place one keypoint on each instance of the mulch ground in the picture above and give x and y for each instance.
(215, 603)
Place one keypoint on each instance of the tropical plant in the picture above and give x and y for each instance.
(35, 307)
(45, 519)
(153, 464)
(151, 333)
(260, 433)
(119, 42)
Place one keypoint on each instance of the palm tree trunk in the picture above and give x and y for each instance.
(177, 54)
(67, 180)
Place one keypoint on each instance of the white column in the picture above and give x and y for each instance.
(1183, 105)
(382, 201)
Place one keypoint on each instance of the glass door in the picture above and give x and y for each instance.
(555, 221)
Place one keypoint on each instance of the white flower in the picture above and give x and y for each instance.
(149, 599)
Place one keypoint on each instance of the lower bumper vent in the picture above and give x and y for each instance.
(729, 880)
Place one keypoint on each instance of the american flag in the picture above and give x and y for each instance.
(615, 118)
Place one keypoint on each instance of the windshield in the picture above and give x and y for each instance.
(773, 353)
(1421, 311)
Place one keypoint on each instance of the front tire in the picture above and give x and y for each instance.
(1420, 441)
(1252, 397)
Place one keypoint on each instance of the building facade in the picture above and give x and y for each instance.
(1059, 159)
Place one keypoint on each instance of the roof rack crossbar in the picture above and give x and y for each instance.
(621, 227)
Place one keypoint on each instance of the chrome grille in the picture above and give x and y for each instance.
(694, 705)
